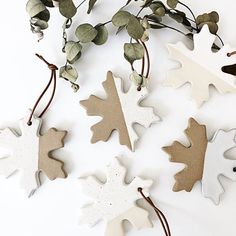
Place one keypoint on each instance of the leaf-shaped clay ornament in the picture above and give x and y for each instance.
(201, 67)
(216, 164)
(205, 160)
(31, 153)
(120, 111)
(115, 201)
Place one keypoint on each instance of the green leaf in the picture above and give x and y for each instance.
(156, 26)
(102, 34)
(158, 8)
(67, 8)
(73, 51)
(121, 18)
(68, 73)
(40, 23)
(133, 52)
(86, 33)
(91, 5)
(214, 16)
(134, 28)
(48, 3)
(34, 7)
(172, 3)
(75, 87)
(120, 29)
(138, 79)
(154, 18)
(44, 15)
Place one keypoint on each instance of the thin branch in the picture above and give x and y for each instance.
(195, 20)
(81, 4)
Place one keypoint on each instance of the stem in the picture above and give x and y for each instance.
(169, 27)
(148, 59)
(195, 20)
(81, 4)
(108, 22)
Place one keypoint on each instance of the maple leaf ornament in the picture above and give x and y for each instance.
(115, 201)
(31, 153)
(120, 111)
(205, 160)
(201, 67)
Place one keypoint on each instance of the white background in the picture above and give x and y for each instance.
(55, 208)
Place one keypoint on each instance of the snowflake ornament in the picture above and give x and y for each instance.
(115, 201)
(120, 111)
(201, 67)
(205, 160)
(31, 153)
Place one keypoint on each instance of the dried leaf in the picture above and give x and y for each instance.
(86, 33)
(73, 51)
(34, 7)
(67, 8)
(121, 18)
(68, 73)
(102, 35)
(91, 5)
(172, 3)
(133, 51)
(134, 28)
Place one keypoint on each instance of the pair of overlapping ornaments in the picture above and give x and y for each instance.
(115, 201)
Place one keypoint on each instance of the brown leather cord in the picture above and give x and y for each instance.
(148, 59)
(144, 62)
(53, 77)
(231, 53)
(159, 213)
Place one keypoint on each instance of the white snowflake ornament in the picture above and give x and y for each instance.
(201, 67)
(120, 111)
(217, 164)
(115, 201)
(31, 153)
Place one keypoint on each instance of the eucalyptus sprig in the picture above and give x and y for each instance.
(152, 15)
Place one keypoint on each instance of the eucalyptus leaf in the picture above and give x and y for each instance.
(68, 73)
(134, 28)
(121, 18)
(102, 34)
(75, 87)
(86, 33)
(73, 51)
(138, 79)
(44, 15)
(67, 8)
(34, 7)
(91, 5)
(40, 23)
(172, 3)
(48, 3)
(133, 52)
(156, 26)
(158, 8)
(120, 29)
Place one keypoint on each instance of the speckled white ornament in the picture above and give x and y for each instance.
(115, 201)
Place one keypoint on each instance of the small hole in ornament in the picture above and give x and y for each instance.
(139, 88)
(29, 123)
(234, 169)
(228, 54)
